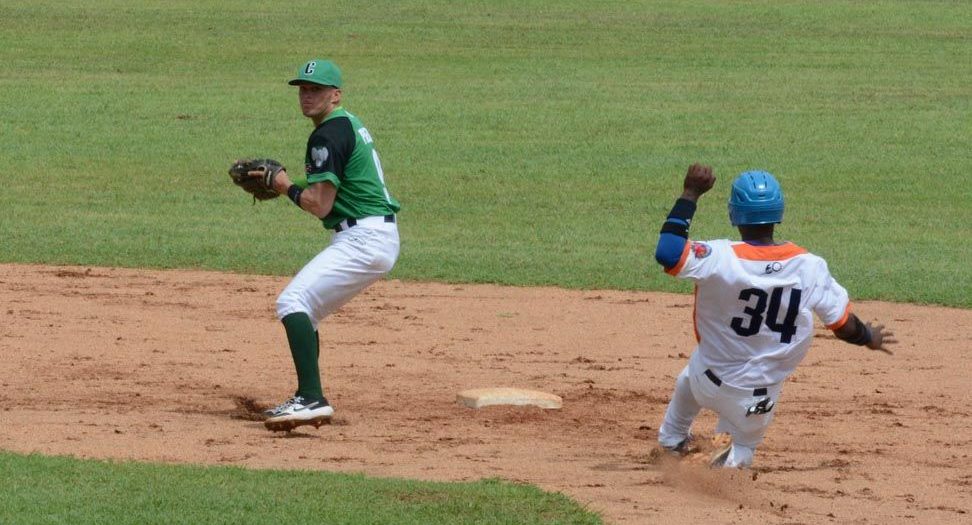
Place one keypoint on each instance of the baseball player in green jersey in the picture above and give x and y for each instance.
(344, 187)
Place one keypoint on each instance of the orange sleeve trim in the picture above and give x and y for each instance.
(843, 320)
(779, 252)
(695, 314)
(681, 260)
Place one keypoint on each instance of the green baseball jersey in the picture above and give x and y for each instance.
(341, 151)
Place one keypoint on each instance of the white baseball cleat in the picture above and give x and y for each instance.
(273, 410)
(298, 411)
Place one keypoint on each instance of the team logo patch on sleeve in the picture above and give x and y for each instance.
(701, 250)
(319, 156)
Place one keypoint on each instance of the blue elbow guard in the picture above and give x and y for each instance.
(669, 249)
(674, 233)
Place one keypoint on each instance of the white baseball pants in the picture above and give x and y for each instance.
(356, 258)
(694, 391)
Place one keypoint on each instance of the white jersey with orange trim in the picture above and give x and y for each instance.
(754, 307)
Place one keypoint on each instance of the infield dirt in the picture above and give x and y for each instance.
(172, 366)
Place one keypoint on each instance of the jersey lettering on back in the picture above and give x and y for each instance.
(754, 307)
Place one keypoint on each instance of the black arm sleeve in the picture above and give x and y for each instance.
(861, 334)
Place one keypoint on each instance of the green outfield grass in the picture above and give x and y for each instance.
(531, 143)
(36, 489)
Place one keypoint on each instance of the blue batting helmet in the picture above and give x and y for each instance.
(756, 199)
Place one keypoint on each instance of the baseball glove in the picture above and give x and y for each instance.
(255, 176)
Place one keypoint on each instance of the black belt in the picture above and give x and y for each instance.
(352, 222)
(718, 382)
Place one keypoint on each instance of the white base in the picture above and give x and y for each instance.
(481, 397)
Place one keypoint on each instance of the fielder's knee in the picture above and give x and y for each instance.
(290, 303)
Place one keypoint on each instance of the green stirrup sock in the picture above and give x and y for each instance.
(303, 347)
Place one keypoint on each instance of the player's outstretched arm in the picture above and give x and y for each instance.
(875, 337)
(674, 232)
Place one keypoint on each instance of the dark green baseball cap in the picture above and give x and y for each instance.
(318, 71)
